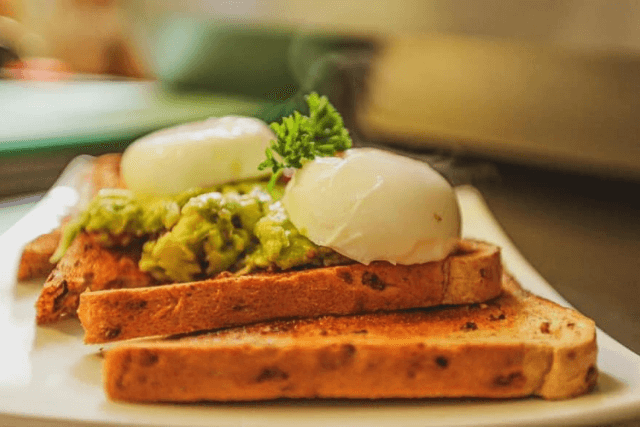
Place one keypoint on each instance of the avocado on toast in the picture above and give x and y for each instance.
(113, 310)
(371, 294)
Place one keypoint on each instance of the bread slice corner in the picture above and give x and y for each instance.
(87, 265)
(34, 261)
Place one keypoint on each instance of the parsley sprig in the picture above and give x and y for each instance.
(301, 138)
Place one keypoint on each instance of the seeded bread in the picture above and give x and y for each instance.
(512, 346)
(87, 265)
(34, 262)
(472, 274)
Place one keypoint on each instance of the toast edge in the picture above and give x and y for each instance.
(345, 370)
(473, 276)
(573, 371)
(331, 371)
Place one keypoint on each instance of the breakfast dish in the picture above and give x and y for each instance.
(183, 234)
(336, 238)
(48, 374)
(362, 231)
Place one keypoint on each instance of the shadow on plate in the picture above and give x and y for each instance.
(87, 369)
(27, 289)
(67, 330)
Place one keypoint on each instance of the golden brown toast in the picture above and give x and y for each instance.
(470, 275)
(34, 262)
(87, 265)
(515, 345)
(106, 172)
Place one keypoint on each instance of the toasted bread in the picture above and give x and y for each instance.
(512, 346)
(106, 172)
(34, 262)
(472, 274)
(87, 265)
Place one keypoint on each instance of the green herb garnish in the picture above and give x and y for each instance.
(302, 138)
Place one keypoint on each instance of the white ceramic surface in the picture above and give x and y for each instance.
(48, 376)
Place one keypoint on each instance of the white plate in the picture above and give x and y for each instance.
(47, 374)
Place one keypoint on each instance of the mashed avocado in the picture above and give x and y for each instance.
(200, 233)
(280, 242)
(115, 217)
(213, 230)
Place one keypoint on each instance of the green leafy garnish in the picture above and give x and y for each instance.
(302, 138)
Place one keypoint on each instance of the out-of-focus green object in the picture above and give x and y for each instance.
(204, 68)
(232, 56)
(224, 58)
(47, 116)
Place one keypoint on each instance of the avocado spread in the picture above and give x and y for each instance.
(200, 233)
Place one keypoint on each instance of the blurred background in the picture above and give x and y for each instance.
(542, 83)
(536, 103)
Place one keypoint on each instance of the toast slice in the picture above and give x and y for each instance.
(470, 275)
(34, 262)
(512, 346)
(87, 265)
(106, 172)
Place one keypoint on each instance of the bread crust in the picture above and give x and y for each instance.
(87, 265)
(106, 172)
(34, 262)
(470, 275)
(512, 346)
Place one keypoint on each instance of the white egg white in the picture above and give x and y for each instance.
(373, 205)
(199, 154)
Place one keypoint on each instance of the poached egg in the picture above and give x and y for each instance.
(372, 205)
(199, 154)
